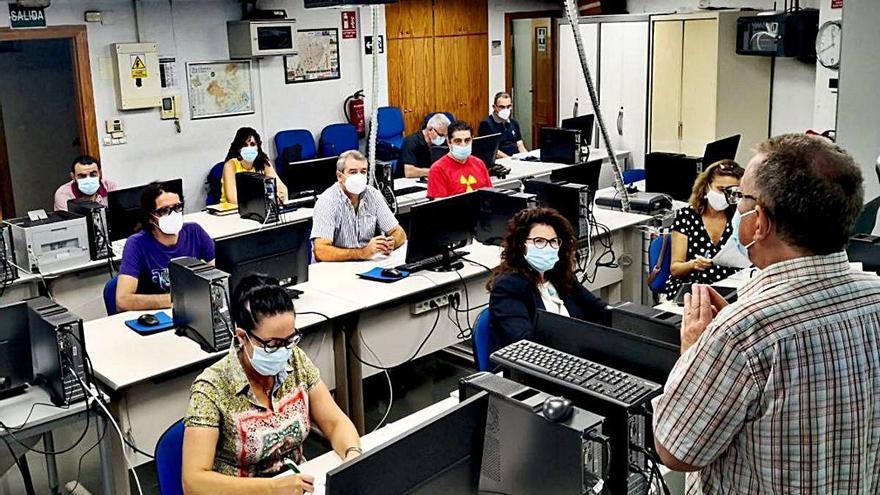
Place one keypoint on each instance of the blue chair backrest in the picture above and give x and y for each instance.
(215, 177)
(110, 296)
(338, 138)
(659, 259)
(480, 341)
(391, 125)
(289, 138)
(868, 218)
(448, 115)
(632, 176)
(169, 460)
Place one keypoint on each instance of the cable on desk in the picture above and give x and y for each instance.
(45, 452)
(415, 354)
(390, 388)
(105, 237)
(25, 474)
(31, 412)
(478, 264)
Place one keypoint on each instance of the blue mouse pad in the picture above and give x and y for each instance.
(376, 275)
(165, 323)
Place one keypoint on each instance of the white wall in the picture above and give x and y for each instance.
(825, 110)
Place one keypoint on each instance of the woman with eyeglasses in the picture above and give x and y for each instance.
(143, 282)
(246, 155)
(703, 227)
(250, 412)
(537, 272)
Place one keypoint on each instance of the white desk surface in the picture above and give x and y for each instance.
(14, 410)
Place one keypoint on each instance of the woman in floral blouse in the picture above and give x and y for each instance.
(251, 411)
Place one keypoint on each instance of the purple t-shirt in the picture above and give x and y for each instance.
(145, 259)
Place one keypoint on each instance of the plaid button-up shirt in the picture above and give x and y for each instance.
(781, 394)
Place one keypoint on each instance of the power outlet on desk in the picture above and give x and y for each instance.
(438, 301)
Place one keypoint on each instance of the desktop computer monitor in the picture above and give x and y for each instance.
(16, 368)
(496, 208)
(583, 123)
(283, 252)
(124, 207)
(309, 177)
(439, 227)
(486, 148)
(441, 456)
(723, 149)
(625, 351)
(572, 201)
(583, 173)
(438, 152)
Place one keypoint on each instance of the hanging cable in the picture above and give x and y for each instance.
(571, 15)
(374, 99)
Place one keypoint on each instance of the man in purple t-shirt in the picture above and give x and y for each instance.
(143, 276)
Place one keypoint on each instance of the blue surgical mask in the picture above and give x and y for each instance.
(734, 225)
(249, 153)
(542, 260)
(269, 363)
(438, 141)
(88, 185)
(461, 153)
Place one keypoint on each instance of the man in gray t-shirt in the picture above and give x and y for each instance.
(351, 219)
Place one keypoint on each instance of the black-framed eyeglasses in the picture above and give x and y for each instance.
(734, 195)
(541, 242)
(274, 344)
(167, 210)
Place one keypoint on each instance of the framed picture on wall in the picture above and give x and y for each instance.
(220, 88)
(317, 57)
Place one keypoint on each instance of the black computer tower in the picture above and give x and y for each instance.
(8, 271)
(57, 352)
(201, 303)
(96, 226)
(561, 145)
(257, 197)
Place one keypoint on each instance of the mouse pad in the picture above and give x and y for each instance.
(376, 275)
(165, 323)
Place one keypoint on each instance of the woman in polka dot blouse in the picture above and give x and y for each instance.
(702, 227)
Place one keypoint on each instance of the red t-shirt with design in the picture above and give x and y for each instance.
(449, 177)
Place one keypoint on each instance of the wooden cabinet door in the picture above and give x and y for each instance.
(666, 86)
(462, 77)
(411, 79)
(409, 19)
(699, 85)
(458, 17)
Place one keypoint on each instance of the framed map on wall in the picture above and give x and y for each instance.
(219, 88)
(317, 57)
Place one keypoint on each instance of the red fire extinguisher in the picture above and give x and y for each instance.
(354, 111)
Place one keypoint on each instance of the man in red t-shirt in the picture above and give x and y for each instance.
(458, 172)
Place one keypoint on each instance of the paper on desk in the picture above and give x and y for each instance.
(320, 488)
(730, 256)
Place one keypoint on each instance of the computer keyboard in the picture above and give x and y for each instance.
(575, 373)
(409, 190)
(433, 261)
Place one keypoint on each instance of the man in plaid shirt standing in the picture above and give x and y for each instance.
(780, 391)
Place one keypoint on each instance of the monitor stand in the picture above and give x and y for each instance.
(450, 262)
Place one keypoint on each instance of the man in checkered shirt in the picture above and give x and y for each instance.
(780, 392)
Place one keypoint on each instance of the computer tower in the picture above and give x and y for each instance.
(573, 201)
(257, 197)
(201, 303)
(56, 350)
(8, 272)
(96, 225)
(16, 368)
(561, 145)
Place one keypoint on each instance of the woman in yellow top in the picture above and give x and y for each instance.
(246, 155)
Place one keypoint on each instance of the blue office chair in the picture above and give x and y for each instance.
(338, 138)
(868, 218)
(110, 296)
(480, 342)
(659, 261)
(633, 176)
(169, 460)
(214, 181)
(429, 115)
(390, 128)
(286, 144)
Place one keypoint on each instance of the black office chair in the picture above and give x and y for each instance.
(868, 218)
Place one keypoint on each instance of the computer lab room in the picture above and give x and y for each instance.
(430, 247)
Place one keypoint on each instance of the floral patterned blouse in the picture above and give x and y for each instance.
(254, 440)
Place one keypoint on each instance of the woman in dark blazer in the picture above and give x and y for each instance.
(537, 272)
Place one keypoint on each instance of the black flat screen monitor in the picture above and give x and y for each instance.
(124, 208)
(497, 207)
(309, 176)
(486, 148)
(441, 456)
(583, 123)
(723, 149)
(586, 174)
(438, 152)
(625, 351)
(16, 368)
(439, 226)
(283, 252)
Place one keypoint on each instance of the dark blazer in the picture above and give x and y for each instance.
(514, 302)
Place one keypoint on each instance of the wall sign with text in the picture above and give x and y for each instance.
(26, 17)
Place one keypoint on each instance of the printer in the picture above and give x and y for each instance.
(51, 242)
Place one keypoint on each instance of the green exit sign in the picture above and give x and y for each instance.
(26, 17)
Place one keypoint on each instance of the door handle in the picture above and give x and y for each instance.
(620, 121)
(680, 130)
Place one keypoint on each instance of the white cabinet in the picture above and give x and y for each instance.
(572, 88)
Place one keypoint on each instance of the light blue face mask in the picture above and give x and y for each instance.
(734, 225)
(88, 185)
(438, 141)
(542, 260)
(461, 152)
(249, 153)
(269, 363)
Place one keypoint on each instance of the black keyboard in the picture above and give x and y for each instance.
(432, 262)
(576, 373)
(409, 190)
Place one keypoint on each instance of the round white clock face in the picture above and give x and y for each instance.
(828, 45)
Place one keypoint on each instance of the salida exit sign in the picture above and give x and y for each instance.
(26, 17)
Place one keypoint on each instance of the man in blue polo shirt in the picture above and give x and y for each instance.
(500, 122)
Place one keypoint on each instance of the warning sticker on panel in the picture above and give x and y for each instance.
(138, 67)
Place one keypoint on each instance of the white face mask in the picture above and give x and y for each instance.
(504, 114)
(171, 223)
(356, 183)
(717, 200)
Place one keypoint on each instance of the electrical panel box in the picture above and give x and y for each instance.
(136, 69)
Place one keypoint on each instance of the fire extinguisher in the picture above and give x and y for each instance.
(354, 112)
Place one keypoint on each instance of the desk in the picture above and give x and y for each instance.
(43, 420)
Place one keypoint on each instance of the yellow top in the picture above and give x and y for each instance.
(239, 167)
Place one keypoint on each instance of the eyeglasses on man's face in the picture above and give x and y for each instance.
(735, 195)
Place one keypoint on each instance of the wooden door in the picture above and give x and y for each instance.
(462, 82)
(666, 86)
(543, 79)
(411, 79)
(458, 17)
(699, 85)
(409, 19)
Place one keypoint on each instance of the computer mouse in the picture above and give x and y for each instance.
(391, 273)
(148, 320)
(423, 180)
(557, 409)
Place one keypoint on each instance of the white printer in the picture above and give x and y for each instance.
(51, 242)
